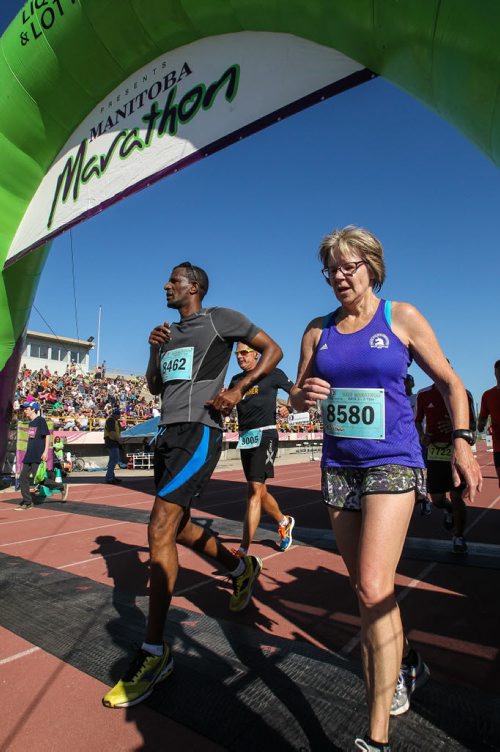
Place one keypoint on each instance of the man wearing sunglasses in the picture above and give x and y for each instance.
(258, 445)
(187, 365)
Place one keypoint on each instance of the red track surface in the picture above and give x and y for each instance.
(451, 611)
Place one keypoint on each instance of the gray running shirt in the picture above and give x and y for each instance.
(194, 363)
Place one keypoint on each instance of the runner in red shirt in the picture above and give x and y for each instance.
(490, 408)
(437, 439)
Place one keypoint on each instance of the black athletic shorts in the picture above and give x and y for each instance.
(440, 478)
(186, 455)
(496, 459)
(258, 463)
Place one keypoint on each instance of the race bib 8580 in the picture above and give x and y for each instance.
(354, 413)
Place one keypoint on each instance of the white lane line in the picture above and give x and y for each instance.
(59, 535)
(273, 481)
(22, 517)
(480, 516)
(412, 584)
(101, 557)
(141, 548)
(17, 656)
(222, 577)
(276, 492)
(354, 641)
(149, 500)
(103, 499)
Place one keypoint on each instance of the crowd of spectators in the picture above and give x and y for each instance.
(315, 424)
(78, 401)
(312, 427)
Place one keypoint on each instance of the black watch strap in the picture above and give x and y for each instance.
(464, 433)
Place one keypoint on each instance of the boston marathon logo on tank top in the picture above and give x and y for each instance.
(379, 341)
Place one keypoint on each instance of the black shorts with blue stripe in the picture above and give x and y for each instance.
(186, 455)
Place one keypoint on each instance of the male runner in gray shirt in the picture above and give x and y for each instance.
(187, 365)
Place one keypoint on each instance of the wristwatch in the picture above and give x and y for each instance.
(464, 433)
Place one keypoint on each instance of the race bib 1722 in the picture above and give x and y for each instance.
(439, 452)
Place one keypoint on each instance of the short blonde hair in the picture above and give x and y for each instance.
(352, 238)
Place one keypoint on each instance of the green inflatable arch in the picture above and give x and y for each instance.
(60, 58)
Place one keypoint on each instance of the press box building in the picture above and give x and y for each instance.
(55, 352)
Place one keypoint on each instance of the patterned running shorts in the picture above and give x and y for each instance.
(343, 487)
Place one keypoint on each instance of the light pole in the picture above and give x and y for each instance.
(98, 337)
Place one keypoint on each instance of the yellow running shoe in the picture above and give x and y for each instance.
(139, 680)
(243, 585)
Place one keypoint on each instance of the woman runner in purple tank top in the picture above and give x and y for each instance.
(355, 361)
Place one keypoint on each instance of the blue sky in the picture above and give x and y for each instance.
(254, 214)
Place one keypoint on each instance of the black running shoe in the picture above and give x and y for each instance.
(459, 545)
(448, 520)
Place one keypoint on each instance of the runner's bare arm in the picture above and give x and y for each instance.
(425, 439)
(270, 356)
(308, 389)
(415, 331)
(481, 424)
(283, 411)
(483, 416)
(158, 336)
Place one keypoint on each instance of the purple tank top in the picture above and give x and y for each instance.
(371, 359)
